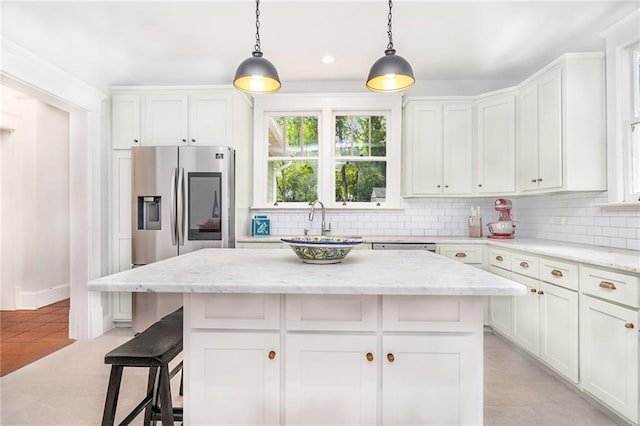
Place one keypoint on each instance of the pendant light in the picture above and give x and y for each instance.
(256, 74)
(391, 73)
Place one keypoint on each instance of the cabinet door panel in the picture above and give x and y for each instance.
(210, 119)
(500, 306)
(550, 128)
(424, 150)
(559, 329)
(166, 117)
(330, 381)
(457, 149)
(528, 140)
(125, 111)
(432, 380)
(496, 145)
(526, 315)
(237, 384)
(609, 354)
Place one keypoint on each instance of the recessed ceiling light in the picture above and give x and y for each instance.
(328, 59)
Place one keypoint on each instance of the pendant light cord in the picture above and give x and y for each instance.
(257, 46)
(389, 33)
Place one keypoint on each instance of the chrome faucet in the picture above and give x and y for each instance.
(323, 230)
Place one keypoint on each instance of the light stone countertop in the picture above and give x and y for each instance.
(280, 271)
(620, 259)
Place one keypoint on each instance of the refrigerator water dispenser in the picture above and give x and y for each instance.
(149, 209)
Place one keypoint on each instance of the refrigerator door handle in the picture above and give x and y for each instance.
(172, 206)
(181, 201)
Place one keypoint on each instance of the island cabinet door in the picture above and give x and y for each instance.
(526, 315)
(432, 380)
(233, 379)
(331, 380)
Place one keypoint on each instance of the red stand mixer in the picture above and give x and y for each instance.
(504, 228)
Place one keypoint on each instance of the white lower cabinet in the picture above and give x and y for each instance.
(526, 315)
(559, 329)
(609, 354)
(432, 380)
(240, 383)
(331, 379)
(500, 307)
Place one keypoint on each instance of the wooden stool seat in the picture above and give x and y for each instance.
(153, 348)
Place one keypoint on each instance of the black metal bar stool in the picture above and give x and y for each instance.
(154, 348)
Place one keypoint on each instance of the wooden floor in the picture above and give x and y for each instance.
(28, 335)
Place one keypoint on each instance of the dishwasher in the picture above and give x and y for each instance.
(404, 246)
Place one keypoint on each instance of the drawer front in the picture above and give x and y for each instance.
(609, 285)
(499, 258)
(560, 273)
(462, 253)
(499, 271)
(432, 313)
(524, 264)
(332, 312)
(234, 311)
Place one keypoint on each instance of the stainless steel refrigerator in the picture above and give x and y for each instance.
(182, 200)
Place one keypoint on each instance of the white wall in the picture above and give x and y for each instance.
(35, 193)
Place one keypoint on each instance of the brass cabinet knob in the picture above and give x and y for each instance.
(272, 354)
(607, 285)
(135, 141)
(446, 186)
(390, 358)
(499, 258)
(629, 325)
(556, 273)
(539, 179)
(184, 140)
(524, 265)
(438, 186)
(480, 185)
(369, 356)
(533, 290)
(540, 292)
(193, 140)
(461, 254)
(534, 180)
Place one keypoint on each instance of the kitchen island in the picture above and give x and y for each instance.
(382, 338)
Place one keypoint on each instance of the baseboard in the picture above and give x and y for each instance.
(40, 298)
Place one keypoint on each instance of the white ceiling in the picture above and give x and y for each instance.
(163, 43)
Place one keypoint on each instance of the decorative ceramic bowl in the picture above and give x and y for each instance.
(322, 249)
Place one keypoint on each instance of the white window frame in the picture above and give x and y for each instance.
(327, 106)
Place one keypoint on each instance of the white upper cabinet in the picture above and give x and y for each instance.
(125, 118)
(496, 145)
(561, 118)
(175, 116)
(438, 148)
(210, 119)
(166, 120)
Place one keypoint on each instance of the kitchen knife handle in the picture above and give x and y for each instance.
(172, 207)
(180, 206)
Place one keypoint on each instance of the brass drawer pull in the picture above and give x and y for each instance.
(461, 254)
(629, 325)
(533, 290)
(499, 258)
(608, 285)
(524, 265)
(556, 273)
(272, 354)
(540, 292)
(390, 357)
(369, 356)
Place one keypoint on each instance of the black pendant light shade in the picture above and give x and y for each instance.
(391, 73)
(256, 74)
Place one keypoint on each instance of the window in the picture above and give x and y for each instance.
(632, 126)
(342, 150)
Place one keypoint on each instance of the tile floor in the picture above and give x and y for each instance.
(28, 335)
(68, 388)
